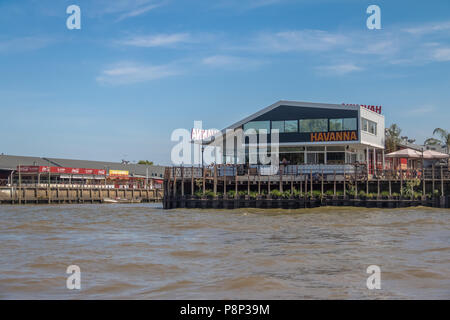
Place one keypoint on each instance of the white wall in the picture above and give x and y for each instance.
(368, 138)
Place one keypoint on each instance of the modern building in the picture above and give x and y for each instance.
(315, 135)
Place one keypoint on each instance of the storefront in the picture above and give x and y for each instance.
(311, 136)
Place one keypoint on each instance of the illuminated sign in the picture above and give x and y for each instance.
(334, 136)
(376, 109)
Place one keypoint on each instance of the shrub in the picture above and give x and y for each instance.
(275, 193)
(231, 193)
(385, 193)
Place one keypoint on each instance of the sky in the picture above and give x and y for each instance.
(137, 70)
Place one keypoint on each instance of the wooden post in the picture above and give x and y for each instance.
(248, 182)
(356, 182)
(390, 186)
(281, 180)
(224, 183)
(432, 178)
(378, 184)
(345, 192)
(204, 180)
(442, 182)
(334, 186)
(301, 182)
(192, 181)
(292, 184)
(311, 183)
(174, 182)
(367, 182)
(306, 184)
(259, 182)
(20, 186)
(182, 181)
(401, 181)
(423, 180)
(321, 191)
(215, 180)
(236, 183)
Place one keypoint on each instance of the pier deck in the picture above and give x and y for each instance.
(213, 187)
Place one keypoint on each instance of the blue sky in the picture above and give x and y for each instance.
(137, 70)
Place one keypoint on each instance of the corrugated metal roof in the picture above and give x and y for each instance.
(11, 162)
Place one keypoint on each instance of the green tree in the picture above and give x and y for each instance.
(392, 138)
(444, 138)
(146, 162)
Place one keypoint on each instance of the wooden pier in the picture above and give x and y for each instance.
(40, 194)
(235, 186)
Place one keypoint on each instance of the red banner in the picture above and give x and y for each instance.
(41, 169)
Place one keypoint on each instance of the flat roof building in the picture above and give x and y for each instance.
(314, 134)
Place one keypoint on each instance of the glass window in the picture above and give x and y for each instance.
(369, 126)
(314, 125)
(278, 125)
(291, 126)
(349, 124)
(336, 124)
(258, 126)
(365, 125)
(372, 127)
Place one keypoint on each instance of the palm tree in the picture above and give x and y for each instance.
(444, 138)
(392, 137)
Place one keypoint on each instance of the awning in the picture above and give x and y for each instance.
(405, 153)
(431, 154)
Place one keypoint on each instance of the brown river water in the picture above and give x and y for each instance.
(139, 251)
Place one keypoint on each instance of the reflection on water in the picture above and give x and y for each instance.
(139, 251)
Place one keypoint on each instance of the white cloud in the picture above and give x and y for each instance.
(157, 40)
(227, 61)
(23, 44)
(300, 40)
(339, 69)
(421, 110)
(429, 28)
(128, 73)
(441, 54)
(138, 11)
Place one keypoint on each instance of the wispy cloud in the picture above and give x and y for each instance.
(429, 28)
(139, 11)
(23, 44)
(227, 61)
(130, 72)
(157, 40)
(441, 54)
(419, 111)
(339, 69)
(300, 40)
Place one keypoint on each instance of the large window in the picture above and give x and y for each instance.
(336, 124)
(369, 126)
(349, 123)
(258, 126)
(285, 126)
(291, 126)
(278, 125)
(314, 125)
(343, 124)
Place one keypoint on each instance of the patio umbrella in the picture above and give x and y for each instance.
(405, 153)
(430, 154)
